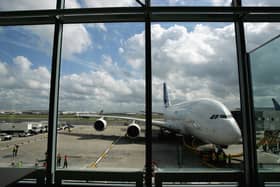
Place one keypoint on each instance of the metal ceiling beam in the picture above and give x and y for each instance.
(136, 14)
(27, 21)
(103, 18)
(131, 10)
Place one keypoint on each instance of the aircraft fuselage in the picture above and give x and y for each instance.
(206, 119)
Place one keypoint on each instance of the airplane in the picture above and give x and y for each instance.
(270, 140)
(206, 119)
(276, 104)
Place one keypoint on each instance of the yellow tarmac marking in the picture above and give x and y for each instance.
(103, 155)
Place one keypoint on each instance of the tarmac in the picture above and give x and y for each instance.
(87, 149)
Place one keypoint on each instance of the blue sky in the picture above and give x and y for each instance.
(17, 41)
(103, 64)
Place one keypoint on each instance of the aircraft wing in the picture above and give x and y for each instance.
(154, 122)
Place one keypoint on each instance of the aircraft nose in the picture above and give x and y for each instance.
(236, 132)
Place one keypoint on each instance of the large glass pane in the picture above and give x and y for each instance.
(25, 62)
(265, 79)
(101, 94)
(101, 3)
(191, 2)
(258, 34)
(27, 5)
(196, 103)
(265, 3)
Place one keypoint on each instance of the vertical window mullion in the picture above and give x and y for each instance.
(148, 80)
(54, 95)
(247, 110)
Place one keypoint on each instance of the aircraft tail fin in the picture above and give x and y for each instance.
(276, 104)
(165, 96)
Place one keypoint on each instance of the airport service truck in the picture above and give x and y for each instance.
(11, 128)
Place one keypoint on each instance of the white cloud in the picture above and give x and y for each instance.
(76, 40)
(259, 33)
(22, 63)
(221, 2)
(261, 2)
(34, 5)
(72, 4)
(110, 3)
(99, 26)
(98, 90)
(215, 2)
(23, 85)
(195, 63)
(27, 4)
(3, 69)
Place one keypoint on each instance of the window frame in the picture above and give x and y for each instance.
(148, 14)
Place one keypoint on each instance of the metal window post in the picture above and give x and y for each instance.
(54, 94)
(148, 60)
(247, 108)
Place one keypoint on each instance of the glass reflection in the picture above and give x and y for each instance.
(265, 80)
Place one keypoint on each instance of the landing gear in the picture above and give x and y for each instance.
(165, 134)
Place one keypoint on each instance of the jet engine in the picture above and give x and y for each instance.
(100, 124)
(133, 130)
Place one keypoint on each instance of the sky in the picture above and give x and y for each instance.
(103, 64)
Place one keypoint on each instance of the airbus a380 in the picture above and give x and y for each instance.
(206, 119)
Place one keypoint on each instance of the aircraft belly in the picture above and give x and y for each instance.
(173, 125)
(200, 134)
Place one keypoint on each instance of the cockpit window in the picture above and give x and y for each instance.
(223, 116)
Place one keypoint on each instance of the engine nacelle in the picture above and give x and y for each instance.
(133, 130)
(100, 124)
